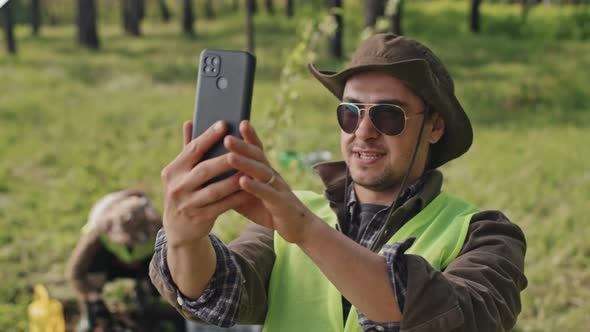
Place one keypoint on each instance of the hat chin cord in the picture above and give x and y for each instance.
(397, 202)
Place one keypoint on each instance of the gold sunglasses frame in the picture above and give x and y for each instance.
(367, 109)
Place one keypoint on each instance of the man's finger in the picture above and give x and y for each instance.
(251, 167)
(231, 202)
(249, 134)
(214, 192)
(241, 147)
(193, 152)
(205, 171)
(187, 130)
(261, 190)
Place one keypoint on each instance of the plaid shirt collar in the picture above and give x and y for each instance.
(335, 178)
(408, 193)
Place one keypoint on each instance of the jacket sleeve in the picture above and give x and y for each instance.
(479, 290)
(253, 251)
(80, 263)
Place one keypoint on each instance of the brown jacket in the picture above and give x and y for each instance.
(478, 291)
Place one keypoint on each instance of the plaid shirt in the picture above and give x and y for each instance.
(219, 303)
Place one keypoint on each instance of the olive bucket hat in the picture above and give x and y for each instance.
(423, 73)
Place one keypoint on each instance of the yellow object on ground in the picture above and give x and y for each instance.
(45, 314)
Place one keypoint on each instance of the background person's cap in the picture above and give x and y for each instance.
(423, 73)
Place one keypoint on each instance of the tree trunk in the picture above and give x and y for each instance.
(250, 25)
(134, 18)
(187, 17)
(86, 21)
(336, 39)
(6, 12)
(526, 6)
(270, 8)
(141, 9)
(209, 12)
(396, 18)
(252, 6)
(164, 11)
(125, 15)
(373, 10)
(289, 8)
(35, 16)
(474, 26)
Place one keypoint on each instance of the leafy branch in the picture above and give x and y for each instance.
(280, 113)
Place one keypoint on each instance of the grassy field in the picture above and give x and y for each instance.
(76, 124)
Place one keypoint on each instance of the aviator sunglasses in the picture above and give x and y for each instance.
(388, 119)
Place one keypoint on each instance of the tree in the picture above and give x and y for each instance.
(335, 40)
(373, 10)
(188, 17)
(526, 6)
(6, 13)
(140, 4)
(474, 22)
(35, 16)
(125, 15)
(209, 12)
(132, 13)
(289, 8)
(250, 25)
(164, 11)
(86, 22)
(270, 8)
(252, 6)
(396, 17)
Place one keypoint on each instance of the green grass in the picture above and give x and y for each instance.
(76, 124)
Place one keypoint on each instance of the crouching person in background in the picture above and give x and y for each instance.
(117, 242)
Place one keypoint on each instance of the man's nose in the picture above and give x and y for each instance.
(365, 129)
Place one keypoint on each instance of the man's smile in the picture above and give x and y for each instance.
(367, 157)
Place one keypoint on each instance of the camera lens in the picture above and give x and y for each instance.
(222, 83)
(208, 60)
(215, 61)
(208, 69)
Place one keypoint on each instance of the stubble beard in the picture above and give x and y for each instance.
(386, 181)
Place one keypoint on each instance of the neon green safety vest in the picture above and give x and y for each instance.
(301, 298)
(137, 253)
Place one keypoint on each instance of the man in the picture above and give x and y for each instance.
(118, 242)
(383, 250)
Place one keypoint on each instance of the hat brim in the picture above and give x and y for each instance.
(417, 76)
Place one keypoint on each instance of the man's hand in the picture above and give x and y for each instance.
(189, 209)
(273, 204)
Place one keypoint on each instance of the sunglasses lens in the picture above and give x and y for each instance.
(348, 117)
(388, 119)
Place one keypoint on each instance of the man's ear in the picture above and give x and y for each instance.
(438, 128)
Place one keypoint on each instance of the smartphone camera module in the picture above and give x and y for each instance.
(211, 65)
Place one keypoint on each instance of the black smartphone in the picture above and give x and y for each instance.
(224, 92)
